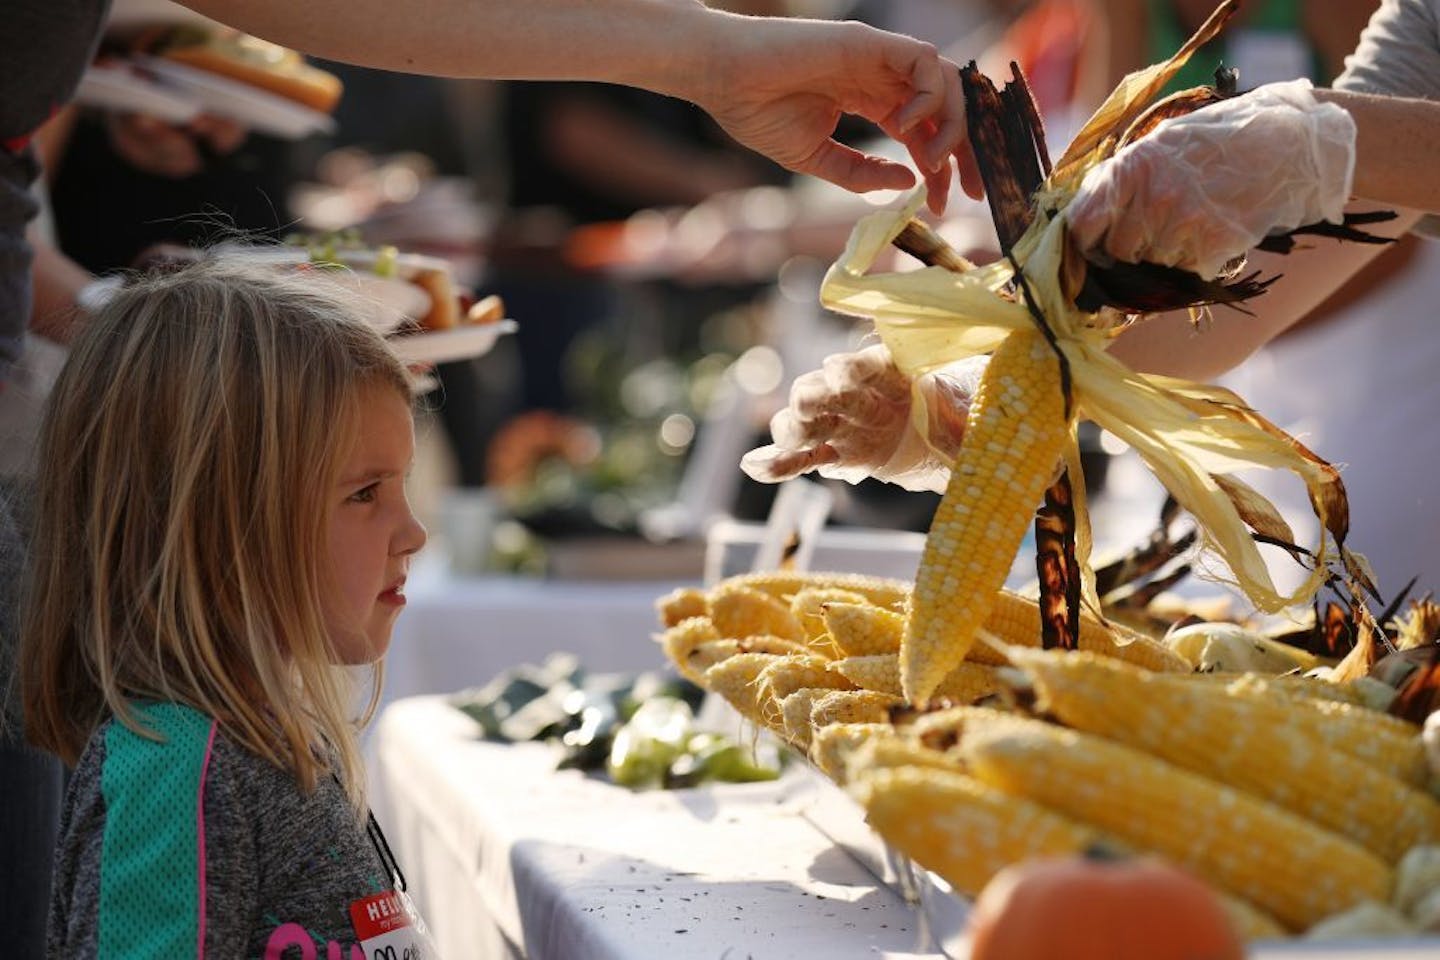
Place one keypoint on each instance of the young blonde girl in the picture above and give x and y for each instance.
(223, 529)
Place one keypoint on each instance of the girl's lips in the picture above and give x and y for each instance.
(395, 595)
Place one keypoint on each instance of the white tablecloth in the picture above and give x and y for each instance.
(504, 854)
(507, 856)
(458, 632)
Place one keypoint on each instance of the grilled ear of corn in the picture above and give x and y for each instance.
(784, 584)
(1016, 620)
(859, 630)
(1015, 433)
(966, 683)
(958, 827)
(808, 609)
(1245, 743)
(739, 611)
(1281, 862)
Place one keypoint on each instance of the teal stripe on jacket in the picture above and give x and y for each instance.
(152, 861)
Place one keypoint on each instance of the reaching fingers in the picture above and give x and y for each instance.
(849, 168)
(934, 99)
(937, 188)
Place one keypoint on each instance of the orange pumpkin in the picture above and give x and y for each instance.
(1078, 908)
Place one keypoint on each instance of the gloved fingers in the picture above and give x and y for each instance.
(773, 463)
(1206, 187)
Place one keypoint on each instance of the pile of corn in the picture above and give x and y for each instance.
(1306, 810)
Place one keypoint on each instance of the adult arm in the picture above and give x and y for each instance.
(1172, 344)
(1397, 60)
(777, 85)
(1396, 140)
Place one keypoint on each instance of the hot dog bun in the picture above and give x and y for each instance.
(238, 56)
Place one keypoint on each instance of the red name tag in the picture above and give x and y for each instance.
(378, 915)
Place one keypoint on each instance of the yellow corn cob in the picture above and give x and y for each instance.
(807, 607)
(784, 584)
(852, 706)
(1286, 687)
(680, 604)
(1014, 435)
(1310, 688)
(1249, 921)
(788, 674)
(895, 750)
(831, 746)
(734, 678)
(1320, 696)
(1386, 743)
(944, 729)
(741, 612)
(880, 672)
(1016, 620)
(960, 828)
(1248, 744)
(860, 630)
(1281, 862)
(707, 653)
(795, 714)
(680, 642)
(966, 683)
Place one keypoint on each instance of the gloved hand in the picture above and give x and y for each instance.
(1201, 189)
(851, 419)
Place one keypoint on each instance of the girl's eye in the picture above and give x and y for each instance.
(365, 494)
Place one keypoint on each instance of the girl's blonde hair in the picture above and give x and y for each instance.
(187, 459)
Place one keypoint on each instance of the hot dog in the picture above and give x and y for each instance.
(239, 56)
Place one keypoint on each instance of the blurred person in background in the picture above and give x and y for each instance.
(579, 155)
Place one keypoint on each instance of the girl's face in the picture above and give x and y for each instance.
(372, 533)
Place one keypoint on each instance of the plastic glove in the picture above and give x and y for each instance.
(852, 419)
(1204, 188)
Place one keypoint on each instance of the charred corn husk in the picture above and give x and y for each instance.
(1014, 436)
(1286, 865)
(1247, 744)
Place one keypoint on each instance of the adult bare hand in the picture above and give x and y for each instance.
(781, 90)
(852, 419)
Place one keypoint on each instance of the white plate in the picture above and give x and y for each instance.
(381, 302)
(258, 109)
(118, 87)
(444, 346)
